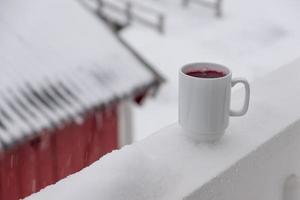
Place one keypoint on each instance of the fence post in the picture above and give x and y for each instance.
(161, 23)
(185, 3)
(100, 7)
(128, 12)
(218, 7)
(291, 188)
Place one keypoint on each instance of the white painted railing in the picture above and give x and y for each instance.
(258, 158)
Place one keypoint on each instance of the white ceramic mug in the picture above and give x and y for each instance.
(204, 103)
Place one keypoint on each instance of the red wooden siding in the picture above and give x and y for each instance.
(95, 147)
(53, 156)
(109, 125)
(73, 143)
(45, 158)
(105, 123)
(9, 176)
(27, 172)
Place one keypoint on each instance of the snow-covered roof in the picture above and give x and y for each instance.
(56, 61)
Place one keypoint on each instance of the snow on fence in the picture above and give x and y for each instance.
(258, 158)
(215, 4)
(126, 12)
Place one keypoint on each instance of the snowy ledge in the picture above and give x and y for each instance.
(251, 161)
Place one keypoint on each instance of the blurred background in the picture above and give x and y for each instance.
(80, 78)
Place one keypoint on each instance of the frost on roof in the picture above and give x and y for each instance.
(53, 56)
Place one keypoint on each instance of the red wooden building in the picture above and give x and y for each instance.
(65, 88)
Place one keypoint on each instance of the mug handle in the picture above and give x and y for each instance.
(247, 97)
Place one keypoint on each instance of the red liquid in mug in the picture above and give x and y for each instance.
(206, 74)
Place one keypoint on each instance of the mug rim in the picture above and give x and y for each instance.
(201, 64)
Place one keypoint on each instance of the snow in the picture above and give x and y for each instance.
(170, 166)
(56, 41)
(46, 44)
(253, 38)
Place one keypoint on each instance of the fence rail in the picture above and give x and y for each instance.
(131, 11)
(109, 5)
(216, 5)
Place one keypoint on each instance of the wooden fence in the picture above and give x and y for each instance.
(215, 5)
(132, 13)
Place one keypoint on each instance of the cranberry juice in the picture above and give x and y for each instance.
(206, 74)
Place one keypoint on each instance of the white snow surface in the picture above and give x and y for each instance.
(253, 38)
(55, 36)
(170, 166)
(47, 42)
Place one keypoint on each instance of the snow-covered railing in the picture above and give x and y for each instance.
(214, 4)
(258, 158)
